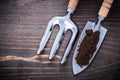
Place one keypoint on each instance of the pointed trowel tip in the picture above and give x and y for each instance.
(75, 72)
(77, 68)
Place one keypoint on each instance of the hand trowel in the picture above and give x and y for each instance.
(94, 26)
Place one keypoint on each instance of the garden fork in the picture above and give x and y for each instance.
(65, 24)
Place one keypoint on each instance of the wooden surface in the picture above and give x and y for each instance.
(22, 23)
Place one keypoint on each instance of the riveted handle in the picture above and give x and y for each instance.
(73, 4)
(106, 5)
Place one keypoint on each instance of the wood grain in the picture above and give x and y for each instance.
(22, 24)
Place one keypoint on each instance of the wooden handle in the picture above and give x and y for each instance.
(73, 4)
(106, 5)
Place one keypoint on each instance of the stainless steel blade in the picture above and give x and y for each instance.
(90, 25)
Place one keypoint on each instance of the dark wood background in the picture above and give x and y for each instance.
(22, 23)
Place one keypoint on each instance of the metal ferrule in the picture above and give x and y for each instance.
(70, 11)
(98, 25)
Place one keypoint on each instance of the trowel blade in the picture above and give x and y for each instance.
(90, 25)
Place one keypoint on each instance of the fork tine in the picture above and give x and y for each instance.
(67, 51)
(46, 36)
(57, 42)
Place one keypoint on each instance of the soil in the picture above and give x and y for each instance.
(87, 47)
